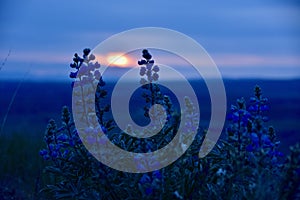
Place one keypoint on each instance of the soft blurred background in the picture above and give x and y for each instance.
(253, 42)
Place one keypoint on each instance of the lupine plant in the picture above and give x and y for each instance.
(245, 164)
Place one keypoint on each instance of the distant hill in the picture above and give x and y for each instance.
(37, 102)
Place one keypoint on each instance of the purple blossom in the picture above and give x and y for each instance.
(254, 138)
(157, 174)
(142, 62)
(155, 68)
(43, 152)
(145, 179)
(155, 76)
(73, 74)
(149, 191)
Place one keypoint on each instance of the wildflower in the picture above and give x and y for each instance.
(146, 54)
(104, 129)
(62, 137)
(97, 74)
(149, 191)
(71, 143)
(143, 71)
(265, 139)
(73, 65)
(92, 57)
(101, 82)
(249, 148)
(43, 152)
(157, 174)
(221, 172)
(234, 117)
(149, 66)
(142, 62)
(155, 68)
(264, 108)
(65, 153)
(254, 138)
(91, 139)
(155, 76)
(54, 154)
(145, 179)
(143, 81)
(253, 108)
(86, 52)
(46, 157)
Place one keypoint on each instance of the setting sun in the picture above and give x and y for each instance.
(118, 60)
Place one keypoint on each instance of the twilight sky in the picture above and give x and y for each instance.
(253, 39)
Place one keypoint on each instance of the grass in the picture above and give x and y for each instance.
(22, 136)
(20, 169)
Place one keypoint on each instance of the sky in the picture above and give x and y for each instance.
(246, 39)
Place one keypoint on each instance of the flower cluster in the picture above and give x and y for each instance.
(86, 70)
(248, 131)
(148, 69)
(58, 141)
(151, 183)
(246, 164)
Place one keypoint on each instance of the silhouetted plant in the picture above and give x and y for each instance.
(246, 164)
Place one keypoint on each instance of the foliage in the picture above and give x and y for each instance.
(246, 164)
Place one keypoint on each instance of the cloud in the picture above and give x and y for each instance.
(251, 60)
(236, 34)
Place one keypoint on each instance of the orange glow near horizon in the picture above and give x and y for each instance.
(116, 59)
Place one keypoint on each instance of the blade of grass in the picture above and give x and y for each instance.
(11, 101)
(5, 60)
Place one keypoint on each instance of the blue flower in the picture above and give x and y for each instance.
(104, 129)
(142, 62)
(73, 74)
(146, 54)
(101, 82)
(145, 179)
(86, 51)
(253, 108)
(246, 117)
(254, 138)
(149, 66)
(265, 108)
(71, 143)
(253, 100)
(234, 117)
(97, 65)
(73, 65)
(250, 148)
(54, 154)
(155, 76)
(43, 152)
(265, 139)
(46, 157)
(97, 74)
(265, 119)
(157, 174)
(233, 108)
(143, 71)
(62, 137)
(155, 68)
(52, 147)
(143, 81)
(149, 191)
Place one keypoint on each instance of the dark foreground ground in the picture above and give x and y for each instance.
(35, 103)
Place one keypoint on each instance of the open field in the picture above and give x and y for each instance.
(36, 103)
